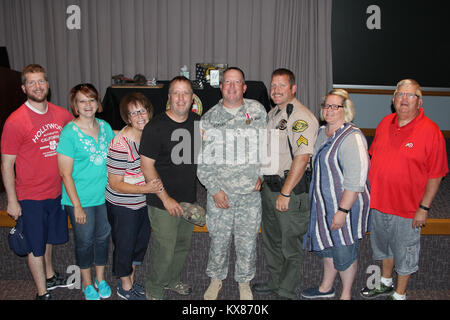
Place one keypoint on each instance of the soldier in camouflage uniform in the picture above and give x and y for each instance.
(230, 169)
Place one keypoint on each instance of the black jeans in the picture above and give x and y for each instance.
(130, 233)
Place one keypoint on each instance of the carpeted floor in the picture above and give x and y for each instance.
(432, 282)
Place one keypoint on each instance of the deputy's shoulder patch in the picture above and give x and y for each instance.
(300, 126)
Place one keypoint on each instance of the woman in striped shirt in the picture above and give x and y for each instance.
(125, 196)
(339, 195)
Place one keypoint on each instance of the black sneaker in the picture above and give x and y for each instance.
(373, 293)
(57, 281)
(315, 293)
(131, 294)
(139, 288)
(45, 296)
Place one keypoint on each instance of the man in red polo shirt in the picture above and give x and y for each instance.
(408, 162)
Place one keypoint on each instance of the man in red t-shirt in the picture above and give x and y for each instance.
(409, 160)
(31, 178)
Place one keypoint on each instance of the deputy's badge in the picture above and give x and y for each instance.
(282, 125)
(300, 126)
(302, 140)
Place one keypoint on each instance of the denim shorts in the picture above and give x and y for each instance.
(394, 237)
(343, 256)
(44, 222)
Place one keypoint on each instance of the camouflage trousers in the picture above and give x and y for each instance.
(242, 219)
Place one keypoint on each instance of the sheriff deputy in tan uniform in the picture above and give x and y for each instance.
(285, 202)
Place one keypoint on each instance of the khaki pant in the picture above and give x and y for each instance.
(282, 237)
(171, 241)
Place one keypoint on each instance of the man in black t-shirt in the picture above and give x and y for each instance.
(168, 153)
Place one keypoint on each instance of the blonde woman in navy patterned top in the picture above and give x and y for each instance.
(339, 195)
(125, 195)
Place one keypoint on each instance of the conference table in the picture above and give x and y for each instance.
(204, 99)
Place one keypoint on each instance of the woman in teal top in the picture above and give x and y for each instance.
(82, 151)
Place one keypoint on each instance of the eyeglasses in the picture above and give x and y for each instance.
(406, 94)
(32, 83)
(327, 106)
(138, 112)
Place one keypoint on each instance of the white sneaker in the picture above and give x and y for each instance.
(213, 290)
(245, 293)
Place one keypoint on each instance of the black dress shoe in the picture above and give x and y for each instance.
(278, 297)
(45, 296)
(262, 289)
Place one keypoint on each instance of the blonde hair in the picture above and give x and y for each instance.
(349, 110)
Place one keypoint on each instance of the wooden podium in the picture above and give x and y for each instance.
(12, 97)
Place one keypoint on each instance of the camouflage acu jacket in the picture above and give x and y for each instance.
(230, 158)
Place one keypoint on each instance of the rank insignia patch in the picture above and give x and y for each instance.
(302, 140)
(300, 126)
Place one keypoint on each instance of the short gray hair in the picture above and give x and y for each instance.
(410, 82)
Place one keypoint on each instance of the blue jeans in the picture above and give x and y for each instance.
(91, 238)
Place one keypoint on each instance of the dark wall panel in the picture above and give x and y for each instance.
(413, 42)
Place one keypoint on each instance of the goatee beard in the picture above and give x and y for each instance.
(34, 99)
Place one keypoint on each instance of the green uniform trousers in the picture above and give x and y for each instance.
(282, 238)
(171, 241)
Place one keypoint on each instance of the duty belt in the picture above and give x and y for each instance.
(275, 182)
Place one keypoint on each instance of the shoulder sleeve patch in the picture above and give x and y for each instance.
(300, 126)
